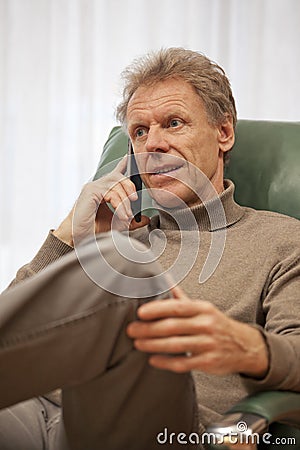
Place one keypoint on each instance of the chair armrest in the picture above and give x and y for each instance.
(274, 406)
(255, 413)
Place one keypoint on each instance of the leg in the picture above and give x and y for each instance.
(29, 425)
(73, 335)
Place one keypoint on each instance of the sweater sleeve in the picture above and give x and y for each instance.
(281, 306)
(51, 250)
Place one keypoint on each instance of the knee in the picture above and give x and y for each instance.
(122, 265)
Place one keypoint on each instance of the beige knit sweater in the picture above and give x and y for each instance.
(257, 281)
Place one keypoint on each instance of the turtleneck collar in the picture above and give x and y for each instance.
(215, 214)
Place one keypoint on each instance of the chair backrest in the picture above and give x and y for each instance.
(264, 164)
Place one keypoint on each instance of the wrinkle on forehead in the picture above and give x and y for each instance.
(160, 100)
(159, 103)
(170, 92)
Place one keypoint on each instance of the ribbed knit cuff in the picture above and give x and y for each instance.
(282, 367)
(51, 250)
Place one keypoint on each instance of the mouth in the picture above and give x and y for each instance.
(164, 170)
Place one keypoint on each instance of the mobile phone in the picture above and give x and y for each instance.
(133, 173)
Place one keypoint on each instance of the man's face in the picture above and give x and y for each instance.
(168, 123)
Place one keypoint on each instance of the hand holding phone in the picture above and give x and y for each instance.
(135, 177)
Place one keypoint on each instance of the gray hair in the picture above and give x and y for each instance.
(207, 77)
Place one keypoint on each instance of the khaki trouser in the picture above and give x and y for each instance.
(60, 329)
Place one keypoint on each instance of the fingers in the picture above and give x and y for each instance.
(120, 191)
(179, 364)
(176, 344)
(183, 334)
(199, 337)
(91, 213)
(184, 363)
(113, 189)
(170, 327)
(178, 292)
(159, 309)
(134, 225)
(122, 165)
(118, 197)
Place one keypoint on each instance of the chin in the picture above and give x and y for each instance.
(170, 200)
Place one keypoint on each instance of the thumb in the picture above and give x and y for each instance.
(122, 164)
(178, 293)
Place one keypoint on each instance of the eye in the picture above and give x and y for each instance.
(174, 123)
(140, 132)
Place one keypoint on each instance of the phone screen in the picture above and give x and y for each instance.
(134, 176)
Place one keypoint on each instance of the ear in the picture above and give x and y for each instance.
(226, 135)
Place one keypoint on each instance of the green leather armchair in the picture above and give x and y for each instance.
(265, 167)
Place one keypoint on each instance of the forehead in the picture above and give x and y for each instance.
(163, 94)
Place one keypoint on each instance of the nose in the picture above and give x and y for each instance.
(156, 140)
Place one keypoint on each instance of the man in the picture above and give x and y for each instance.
(235, 329)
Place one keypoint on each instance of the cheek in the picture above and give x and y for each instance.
(206, 153)
(141, 159)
